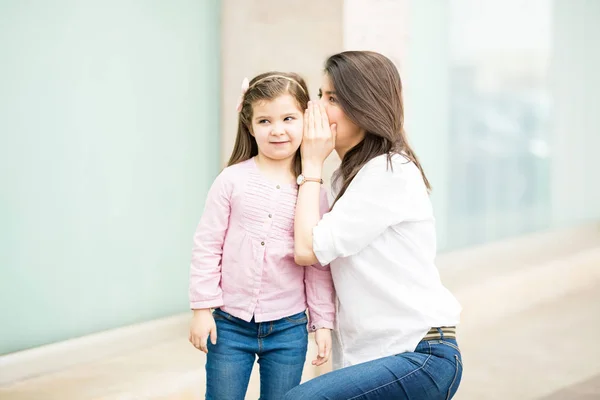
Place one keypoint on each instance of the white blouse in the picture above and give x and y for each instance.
(380, 241)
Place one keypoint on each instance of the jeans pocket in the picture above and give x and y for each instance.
(448, 343)
(298, 319)
(220, 314)
(457, 377)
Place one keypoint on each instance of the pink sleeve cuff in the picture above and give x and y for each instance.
(198, 305)
(319, 325)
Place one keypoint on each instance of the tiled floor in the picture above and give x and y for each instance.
(586, 390)
(537, 353)
(548, 352)
(169, 370)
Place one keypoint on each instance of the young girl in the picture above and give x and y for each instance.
(243, 258)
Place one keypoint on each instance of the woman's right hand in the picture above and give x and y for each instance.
(203, 324)
(318, 140)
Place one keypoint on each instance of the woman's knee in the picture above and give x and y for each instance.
(305, 391)
(292, 394)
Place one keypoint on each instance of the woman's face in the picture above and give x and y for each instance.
(348, 133)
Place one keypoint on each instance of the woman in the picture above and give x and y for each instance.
(395, 335)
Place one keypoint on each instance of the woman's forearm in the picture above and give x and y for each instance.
(307, 216)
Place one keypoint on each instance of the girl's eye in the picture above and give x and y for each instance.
(289, 118)
(320, 94)
(263, 121)
(332, 99)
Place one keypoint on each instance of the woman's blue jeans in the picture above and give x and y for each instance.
(433, 371)
(281, 349)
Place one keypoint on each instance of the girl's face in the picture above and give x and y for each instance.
(277, 127)
(348, 133)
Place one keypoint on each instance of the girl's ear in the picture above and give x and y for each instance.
(250, 130)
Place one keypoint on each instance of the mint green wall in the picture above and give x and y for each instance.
(109, 142)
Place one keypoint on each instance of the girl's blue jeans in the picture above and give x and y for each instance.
(281, 349)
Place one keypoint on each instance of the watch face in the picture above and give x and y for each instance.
(300, 179)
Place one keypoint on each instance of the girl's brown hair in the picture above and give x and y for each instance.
(267, 86)
(369, 91)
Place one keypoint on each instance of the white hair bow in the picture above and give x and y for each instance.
(245, 86)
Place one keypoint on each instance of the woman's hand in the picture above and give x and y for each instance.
(319, 137)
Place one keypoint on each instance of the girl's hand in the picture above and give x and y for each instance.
(323, 341)
(319, 137)
(203, 324)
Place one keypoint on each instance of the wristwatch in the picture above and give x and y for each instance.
(301, 180)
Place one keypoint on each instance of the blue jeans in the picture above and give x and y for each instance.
(281, 349)
(433, 371)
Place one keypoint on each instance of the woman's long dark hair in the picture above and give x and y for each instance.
(369, 91)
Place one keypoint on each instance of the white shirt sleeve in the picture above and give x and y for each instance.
(378, 197)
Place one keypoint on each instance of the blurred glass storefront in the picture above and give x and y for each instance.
(501, 105)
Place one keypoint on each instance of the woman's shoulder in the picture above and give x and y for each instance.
(395, 175)
(394, 164)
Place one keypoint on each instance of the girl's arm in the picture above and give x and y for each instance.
(205, 270)
(320, 296)
(320, 293)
